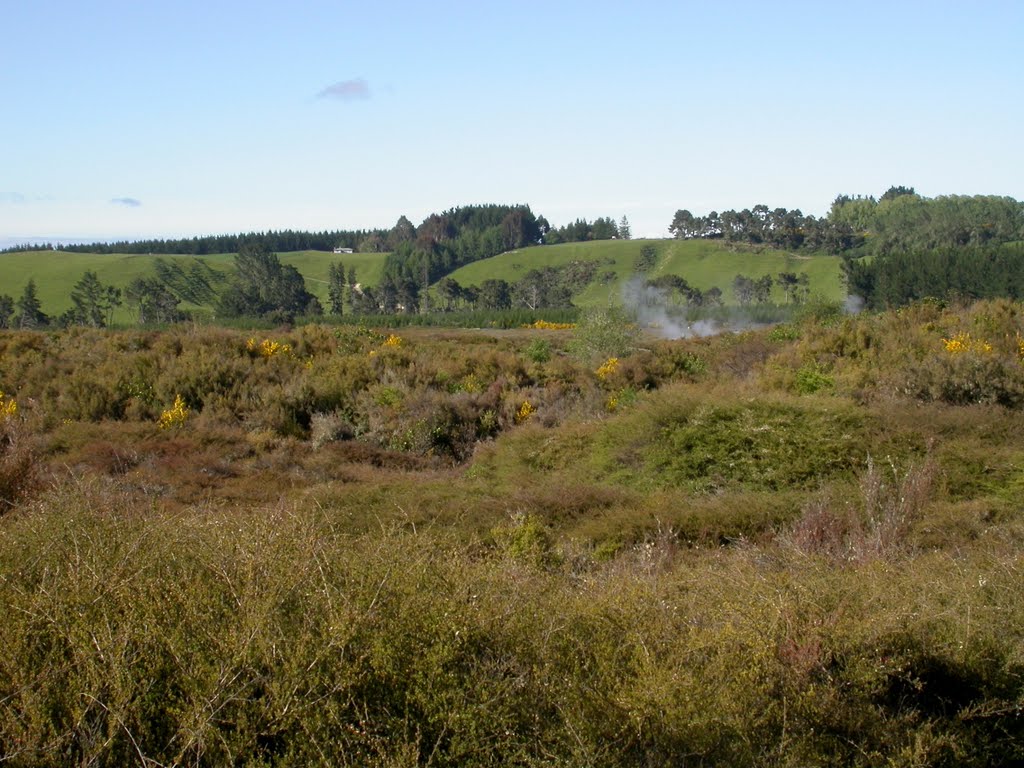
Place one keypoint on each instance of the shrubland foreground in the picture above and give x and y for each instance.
(789, 546)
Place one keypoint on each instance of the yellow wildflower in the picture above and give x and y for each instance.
(8, 407)
(267, 348)
(962, 342)
(610, 366)
(545, 325)
(176, 415)
(525, 412)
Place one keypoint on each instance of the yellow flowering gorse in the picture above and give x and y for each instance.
(393, 341)
(525, 412)
(176, 415)
(8, 407)
(610, 366)
(545, 325)
(962, 342)
(267, 348)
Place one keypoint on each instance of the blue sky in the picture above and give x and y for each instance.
(158, 119)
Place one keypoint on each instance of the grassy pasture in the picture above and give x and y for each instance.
(56, 272)
(313, 266)
(703, 263)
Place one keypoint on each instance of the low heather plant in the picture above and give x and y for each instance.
(879, 526)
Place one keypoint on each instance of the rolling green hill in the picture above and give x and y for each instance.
(703, 263)
(56, 272)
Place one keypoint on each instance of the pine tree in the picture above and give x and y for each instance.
(93, 301)
(624, 231)
(30, 312)
(336, 288)
(353, 293)
(6, 311)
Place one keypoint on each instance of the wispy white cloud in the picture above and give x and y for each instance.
(127, 202)
(17, 198)
(346, 90)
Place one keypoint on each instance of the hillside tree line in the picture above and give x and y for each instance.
(900, 220)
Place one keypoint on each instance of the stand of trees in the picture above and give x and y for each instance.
(26, 312)
(900, 220)
(749, 291)
(417, 257)
(444, 242)
(898, 278)
(153, 302)
(952, 245)
(761, 225)
(93, 302)
(545, 288)
(263, 287)
(909, 222)
(495, 228)
(281, 242)
(677, 290)
(581, 230)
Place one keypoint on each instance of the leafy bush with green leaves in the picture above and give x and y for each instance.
(810, 378)
(539, 351)
(603, 333)
(709, 445)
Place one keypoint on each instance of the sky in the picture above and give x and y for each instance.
(128, 119)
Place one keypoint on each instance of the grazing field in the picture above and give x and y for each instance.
(703, 263)
(56, 272)
(313, 266)
(341, 546)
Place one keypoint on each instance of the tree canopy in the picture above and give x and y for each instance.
(262, 287)
(93, 302)
(900, 220)
(29, 311)
(977, 272)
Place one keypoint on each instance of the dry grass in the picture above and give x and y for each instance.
(876, 525)
(20, 466)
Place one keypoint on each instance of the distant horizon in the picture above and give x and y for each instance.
(36, 240)
(7, 243)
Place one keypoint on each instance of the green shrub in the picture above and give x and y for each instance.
(810, 378)
(604, 333)
(715, 575)
(539, 351)
(194, 639)
(525, 538)
(784, 332)
(710, 445)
